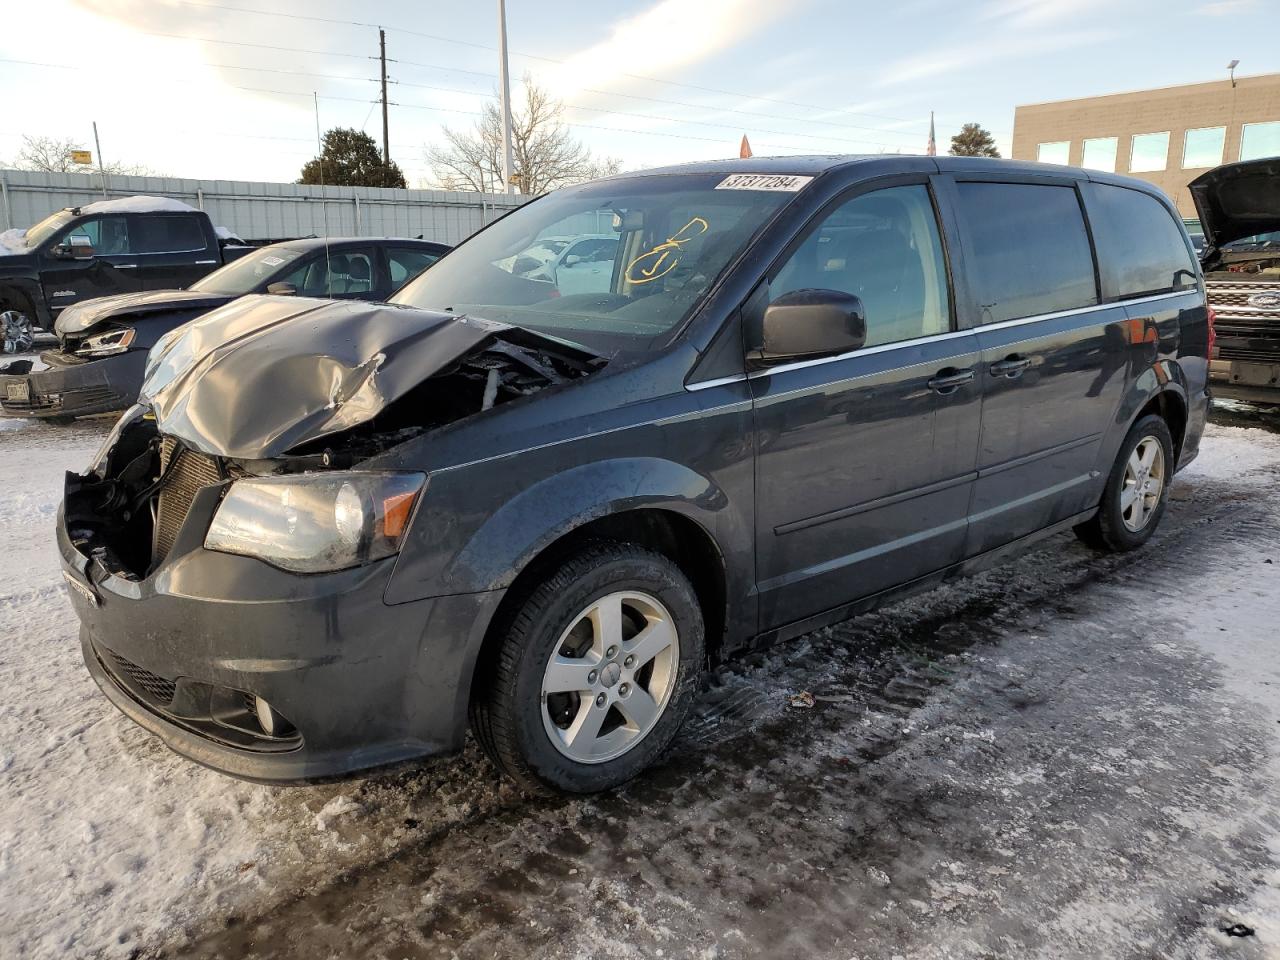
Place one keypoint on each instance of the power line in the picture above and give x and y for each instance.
(530, 56)
(477, 113)
(666, 119)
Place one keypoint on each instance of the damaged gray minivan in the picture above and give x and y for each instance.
(332, 534)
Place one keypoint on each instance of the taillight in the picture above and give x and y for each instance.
(1213, 333)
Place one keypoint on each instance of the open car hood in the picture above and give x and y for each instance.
(264, 374)
(1237, 200)
(79, 317)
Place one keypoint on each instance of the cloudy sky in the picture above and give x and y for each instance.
(224, 88)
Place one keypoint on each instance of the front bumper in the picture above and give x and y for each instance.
(71, 387)
(1250, 382)
(361, 682)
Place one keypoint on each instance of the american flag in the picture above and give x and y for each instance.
(932, 149)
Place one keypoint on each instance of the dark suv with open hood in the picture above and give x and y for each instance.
(103, 343)
(1239, 206)
(331, 532)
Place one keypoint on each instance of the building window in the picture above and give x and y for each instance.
(1203, 147)
(1057, 152)
(1100, 154)
(1258, 140)
(1150, 152)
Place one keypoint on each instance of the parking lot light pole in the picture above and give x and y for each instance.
(508, 167)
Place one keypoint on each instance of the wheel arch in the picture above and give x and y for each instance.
(673, 534)
(1171, 406)
(23, 295)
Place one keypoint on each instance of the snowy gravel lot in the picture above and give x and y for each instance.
(1069, 756)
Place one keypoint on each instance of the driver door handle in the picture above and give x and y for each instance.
(949, 380)
(1010, 367)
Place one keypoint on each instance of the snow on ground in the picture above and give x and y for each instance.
(1070, 755)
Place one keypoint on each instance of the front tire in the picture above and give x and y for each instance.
(1137, 490)
(597, 668)
(16, 330)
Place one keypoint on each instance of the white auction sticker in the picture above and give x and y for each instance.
(786, 183)
(273, 261)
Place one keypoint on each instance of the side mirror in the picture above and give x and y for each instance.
(75, 247)
(572, 260)
(810, 323)
(281, 289)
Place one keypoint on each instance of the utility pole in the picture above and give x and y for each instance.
(102, 169)
(386, 137)
(508, 167)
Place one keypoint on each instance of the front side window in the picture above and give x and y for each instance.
(672, 236)
(251, 272)
(1027, 250)
(1150, 152)
(883, 247)
(1258, 140)
(168, 234)
(109, 236)
(1203, 147)
(1057, 152)
(347, 274)
(1100, 154)
(1140, 248)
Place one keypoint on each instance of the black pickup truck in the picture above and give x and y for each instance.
(111, 246)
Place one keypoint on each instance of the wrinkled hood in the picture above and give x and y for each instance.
(1237, 200)
(79, 317)
(264, 374)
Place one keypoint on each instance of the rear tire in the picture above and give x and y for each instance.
(1137, 490)
(597, 668)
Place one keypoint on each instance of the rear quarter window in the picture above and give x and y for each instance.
(1141, 251)
(168, 234)
(1026, 249)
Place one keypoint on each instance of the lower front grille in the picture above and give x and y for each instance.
(154, 686)
(54, 402)
(184, 477)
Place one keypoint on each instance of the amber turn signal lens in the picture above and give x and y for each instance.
(395, 514)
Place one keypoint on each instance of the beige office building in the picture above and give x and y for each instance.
(1167, 136)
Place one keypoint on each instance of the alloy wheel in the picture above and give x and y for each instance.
(1144, 477)
(610, 677)
(16, 329)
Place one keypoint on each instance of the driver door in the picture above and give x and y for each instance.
(106, 266)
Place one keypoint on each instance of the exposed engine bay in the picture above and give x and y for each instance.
(126, 513)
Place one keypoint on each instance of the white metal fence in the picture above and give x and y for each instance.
(257, 211)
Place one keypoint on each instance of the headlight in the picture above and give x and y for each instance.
(115, 340)
(316, 522)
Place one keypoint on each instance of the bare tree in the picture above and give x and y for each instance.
(53, 155)
(545, 153)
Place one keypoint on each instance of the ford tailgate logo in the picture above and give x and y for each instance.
(1265, 300)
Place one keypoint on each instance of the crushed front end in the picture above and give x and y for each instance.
(233, 601)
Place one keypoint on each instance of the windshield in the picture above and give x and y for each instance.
(639, 253)
(248, 273)
(47, 227)
(1260, 241)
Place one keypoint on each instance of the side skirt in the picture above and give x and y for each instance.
(964, 568)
